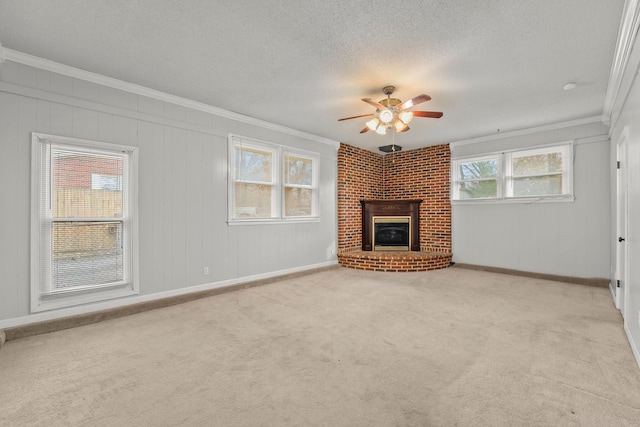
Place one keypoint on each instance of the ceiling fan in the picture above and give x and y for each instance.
(392, 113)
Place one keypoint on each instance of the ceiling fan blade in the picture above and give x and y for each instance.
(365, 130)
(432, 114)
(406, 128)
(414, 101)
(374, 103)
(355, 117)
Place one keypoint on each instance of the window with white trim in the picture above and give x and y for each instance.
(298, 185)
(540, 173)
(270, 182)
(477, 178)
(83, 221)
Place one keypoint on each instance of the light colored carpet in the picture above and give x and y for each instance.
(340, 347)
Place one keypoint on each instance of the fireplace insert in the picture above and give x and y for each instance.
(391, 233)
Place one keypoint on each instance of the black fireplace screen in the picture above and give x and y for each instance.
(391, 234)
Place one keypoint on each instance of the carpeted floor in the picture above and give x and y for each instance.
(340, 347)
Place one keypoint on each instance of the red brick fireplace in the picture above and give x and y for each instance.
(421, 174)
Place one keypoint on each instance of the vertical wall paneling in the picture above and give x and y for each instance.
(106, 96)
(86, 124)
(182, 183)
(566, 239)
(62, 85)
(150, 106)
(194, 216)
(551, 241)
(177, 169)
(105, 127)
(150, 264)
(273, 257)
(61, 119)
(27, 76)
(9, 194)
(27, 121)
(86, 90)
(165, 179)
(159, 212)
(43, 80)
(208, 201)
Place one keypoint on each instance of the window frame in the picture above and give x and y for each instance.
(313, 186)
(567, 184)
(43, 297)
(505, 175)
(455, 180)
(278, 181)
(275, 200)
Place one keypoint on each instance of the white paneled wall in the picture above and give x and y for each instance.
(562, 238)
(182, 189)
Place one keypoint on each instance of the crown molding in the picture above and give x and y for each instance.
(520, 132)
(55, 67)
(627, 33)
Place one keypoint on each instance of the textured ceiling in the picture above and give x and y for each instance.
(488, 65)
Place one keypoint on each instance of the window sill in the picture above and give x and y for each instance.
(52, 301)
(265, 221)
(518, 200)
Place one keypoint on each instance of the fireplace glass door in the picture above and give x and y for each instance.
(391, 233)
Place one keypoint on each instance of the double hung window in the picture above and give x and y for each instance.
(477, 178)
(83, 221)
(255, 181)
(298, 185)
(540, 173)
(270, 182)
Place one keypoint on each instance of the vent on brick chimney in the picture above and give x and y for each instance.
(390, 148)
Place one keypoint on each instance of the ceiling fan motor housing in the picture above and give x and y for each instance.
(388, 101)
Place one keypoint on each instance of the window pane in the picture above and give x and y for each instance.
(105, 182)
(478, 189)
(78, 193)
(253, 164)
(538, 164)
(537, 186)
(478, 170)
(298, 201)
(86, 253)
(253, 200)
(298, 170)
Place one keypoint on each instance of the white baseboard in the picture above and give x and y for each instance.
(123, 302)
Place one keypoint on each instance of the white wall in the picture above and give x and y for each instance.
(626, 115)
(182, 188)
(562, 238)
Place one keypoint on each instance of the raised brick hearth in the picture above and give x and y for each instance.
(406, 175)
(394, 261)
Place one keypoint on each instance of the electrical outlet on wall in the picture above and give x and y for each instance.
(205, 271)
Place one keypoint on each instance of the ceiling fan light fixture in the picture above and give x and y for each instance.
(373, 123)
(400, 126)
(386, 116)
(382, 130)
(406, 117)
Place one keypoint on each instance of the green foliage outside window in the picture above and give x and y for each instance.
(477, 180)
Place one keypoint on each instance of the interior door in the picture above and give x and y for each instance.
(621, 224)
